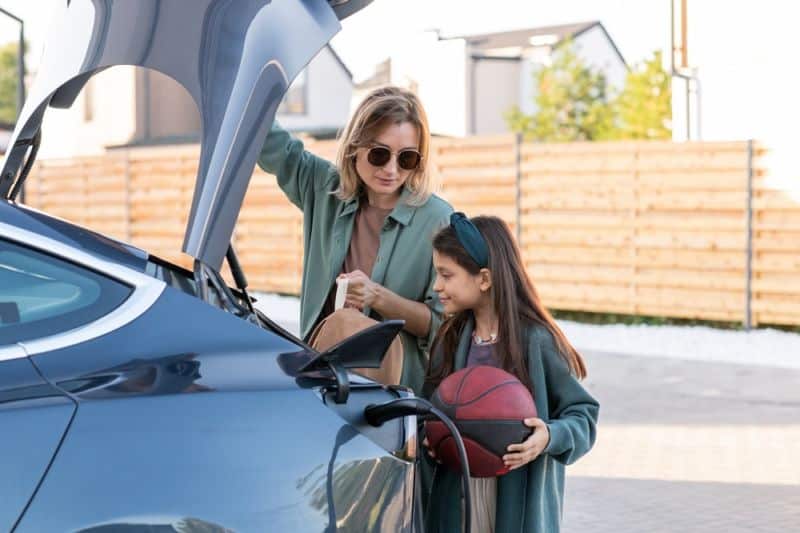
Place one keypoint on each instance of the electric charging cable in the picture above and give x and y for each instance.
(377, 414)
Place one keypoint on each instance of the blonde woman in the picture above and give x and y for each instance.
(370, 218)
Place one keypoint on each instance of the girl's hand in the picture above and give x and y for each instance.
(427, 447)
(361, 291)
(531, 448)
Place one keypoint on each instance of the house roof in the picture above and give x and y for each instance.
(382, 75)
(339, 60)
(522, 38)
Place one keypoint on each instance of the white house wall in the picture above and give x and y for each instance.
(171, 110)
(67, 133)
(496, 91)
(745, 54)
(598, 52)
(436, 70)
(328, 94)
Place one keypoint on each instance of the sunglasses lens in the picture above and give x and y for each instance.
(378, 156)
(408, 159)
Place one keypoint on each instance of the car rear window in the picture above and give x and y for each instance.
(42, 295)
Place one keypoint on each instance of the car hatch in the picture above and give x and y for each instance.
(235, 58)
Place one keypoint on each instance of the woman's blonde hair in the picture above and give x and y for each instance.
(381, 108)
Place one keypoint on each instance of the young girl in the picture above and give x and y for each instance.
(495, 318)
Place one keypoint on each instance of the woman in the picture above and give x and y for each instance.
(369, 218)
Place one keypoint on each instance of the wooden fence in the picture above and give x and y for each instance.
(652, 228)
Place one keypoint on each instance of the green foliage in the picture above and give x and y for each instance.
(8, 82)
(644, 106)
(574, 103)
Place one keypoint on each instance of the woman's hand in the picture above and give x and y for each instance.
(525, 452)
(361, 291)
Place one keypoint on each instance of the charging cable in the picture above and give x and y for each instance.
(377, 414)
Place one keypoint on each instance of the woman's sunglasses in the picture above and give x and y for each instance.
(408, 159)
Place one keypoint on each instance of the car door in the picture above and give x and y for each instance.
(42, 297)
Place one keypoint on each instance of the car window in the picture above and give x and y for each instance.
(41, 295)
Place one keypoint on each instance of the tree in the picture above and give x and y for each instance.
(572, 102)
(8, 83)
(644, 107)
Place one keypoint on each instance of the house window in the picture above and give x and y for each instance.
(295, 101)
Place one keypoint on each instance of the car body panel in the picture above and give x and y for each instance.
(34, 416)
(210, 391)
(244, 461)
(177, 329)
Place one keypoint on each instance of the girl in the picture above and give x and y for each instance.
(370, 218)
(495, 317)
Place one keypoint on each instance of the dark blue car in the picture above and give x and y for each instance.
(138, 396)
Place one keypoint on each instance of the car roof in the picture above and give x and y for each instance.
(96, 244)
(236, 60)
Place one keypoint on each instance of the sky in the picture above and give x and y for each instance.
(637, 26)
(745, 50)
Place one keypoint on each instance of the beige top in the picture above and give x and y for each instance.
(366, 238)
(363, 248)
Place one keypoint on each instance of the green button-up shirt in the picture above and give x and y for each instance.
(404, 262)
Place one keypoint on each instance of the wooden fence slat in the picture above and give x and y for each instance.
(624, 227)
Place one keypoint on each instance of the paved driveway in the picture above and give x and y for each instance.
(688, 446)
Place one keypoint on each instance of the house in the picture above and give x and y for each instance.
(468, 82)
(6, 130)
(127, 106)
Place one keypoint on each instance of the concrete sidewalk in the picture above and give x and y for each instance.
(688, 446)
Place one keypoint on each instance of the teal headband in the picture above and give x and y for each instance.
(470, 238)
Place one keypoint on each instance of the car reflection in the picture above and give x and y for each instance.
(364, 495)
(184, 525)
(166, 375)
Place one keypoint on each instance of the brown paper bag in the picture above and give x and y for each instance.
(345, 322)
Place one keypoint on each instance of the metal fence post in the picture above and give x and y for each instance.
(748, 312)
(128, 199)
(518, 168)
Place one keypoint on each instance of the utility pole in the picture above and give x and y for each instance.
(683, 71)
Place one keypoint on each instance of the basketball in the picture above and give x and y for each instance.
(488, 406)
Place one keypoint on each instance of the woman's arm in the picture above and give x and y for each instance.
(416, 314)
(298, 171)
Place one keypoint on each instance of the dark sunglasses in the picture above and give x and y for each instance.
(408, 159)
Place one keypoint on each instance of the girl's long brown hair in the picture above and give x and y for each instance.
(515, 301)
